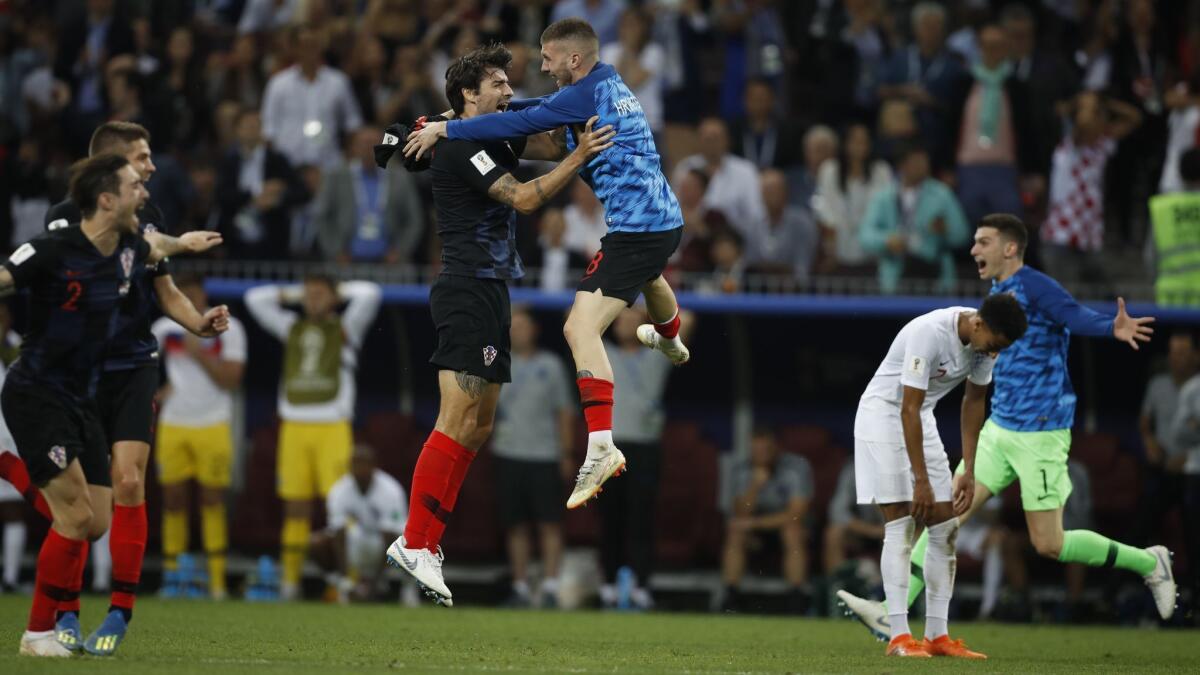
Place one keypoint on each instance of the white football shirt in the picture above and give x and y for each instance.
(384, 507)
(196, 400)
(926, 354)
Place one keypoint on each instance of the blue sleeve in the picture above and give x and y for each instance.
(566, 107)
(1056, 302)
(523, 103)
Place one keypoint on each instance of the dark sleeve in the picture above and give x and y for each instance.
(471, 163)
(62, 214)
(518, 144)
(154, 215)
(30, 259)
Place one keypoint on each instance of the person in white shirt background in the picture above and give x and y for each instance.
(12, 509)
(195, 439)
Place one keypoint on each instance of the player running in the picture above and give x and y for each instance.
(78, 277)
(1028, 435)
(644, 221)
(476, 197)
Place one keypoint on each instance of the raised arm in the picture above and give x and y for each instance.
(165, 246)
(363, 298)
(529, 197)
(265, 304)
(1064, 309)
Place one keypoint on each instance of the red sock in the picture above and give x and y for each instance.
(127, 542)
(462, 462)
(71, 604)
(668, 329)
(57, 562)
(596, 396)
(430, 477)
(12, 469)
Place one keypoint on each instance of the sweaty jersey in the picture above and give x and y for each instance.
(75, 293)
(1033, 388)
(132, 344)
(926, 354)
(627, 178)
(478, 233)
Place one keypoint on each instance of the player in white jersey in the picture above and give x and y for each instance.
(901, 465)
(194, 435)
(366, 510)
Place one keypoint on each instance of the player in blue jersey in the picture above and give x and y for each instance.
(1028, 435)
(643, 216)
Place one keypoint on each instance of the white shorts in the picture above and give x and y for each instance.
(364, 550)
(883, 474)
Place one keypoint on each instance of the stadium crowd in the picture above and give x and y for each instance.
(806, 140)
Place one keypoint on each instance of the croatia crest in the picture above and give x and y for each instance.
(489, 355)
(58, 455)
(127, 262)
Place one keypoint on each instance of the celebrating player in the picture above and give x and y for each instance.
(1028, 435)
(78, 278)
(901, 465)
(644, 221)
(475, 194)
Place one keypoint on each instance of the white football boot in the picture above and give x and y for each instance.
(44, 643)
(601, 464)
(1162, 582)
(424, 566)
(872, 614)
(672, 347)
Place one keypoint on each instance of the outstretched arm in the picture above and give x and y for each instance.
(529, 197)
(165, 246)
(562, 109)
(1064, 309)
(176, 305)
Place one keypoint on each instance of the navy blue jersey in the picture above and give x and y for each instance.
(75, 294)
(132, 345)
(627, 178)
(1033, 389)
(478, 233)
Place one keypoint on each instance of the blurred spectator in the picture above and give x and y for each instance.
(185, 92)
(1163, 479)
(733, 185)
(584, 219)
(772, 491)
(754, 46)
(534, 441)
(763, 136)
(914, 226)
(552, 255)
(237, 75)
(1074, 228)
(1183, 100)
(195, 441)
(788, 244)
(640, 64)
(126, 90)
(411, 87)
(844, 188)
(265, 16)
(727, 253)
(12, 502)
(88, 37)
(864, 33)
(172, 190)
(685, 32)
(256, 190)
(854, 530)
(365, 511)
(24, 193)
(1176, 229)
(627, 509)
(1185, 435)
(308, 106)
(367, 70)
(367, 214)
(527, 80)
(994, 135)
(1094, 57)
(926, 75)
(699, 222)
(820, 145)
(40, 95)
(396, 22)
(316, 396)
(604, 15)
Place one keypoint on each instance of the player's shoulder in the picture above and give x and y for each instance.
(62, 214)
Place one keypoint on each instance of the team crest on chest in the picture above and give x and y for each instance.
(489, 355)
(58, 455)
(126, 269)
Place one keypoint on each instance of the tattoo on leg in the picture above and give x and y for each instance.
(472, 385)
(583, 373)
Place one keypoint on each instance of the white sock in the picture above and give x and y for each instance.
(894, 566)
(550, 586)
(993, 570)
(101, 564)
(521, 588)
(599, 439)
(14, 546)
(940, 565)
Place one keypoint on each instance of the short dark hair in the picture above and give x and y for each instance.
(573, 28)
(93, 177)
(315, 277)
(1004, 316)
(908, 148)
(1010, 227)
(468, 71)
(1189, 166)
(109, 135)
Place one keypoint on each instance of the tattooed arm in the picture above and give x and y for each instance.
(529, 197)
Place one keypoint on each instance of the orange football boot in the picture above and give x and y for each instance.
(905, 645)
(944, 646)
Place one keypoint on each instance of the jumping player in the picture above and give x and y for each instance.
(476, 197)
(1028, 435)
(644, 221)
(901, 465)
(78, 277)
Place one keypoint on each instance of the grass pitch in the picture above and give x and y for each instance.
(233, 637)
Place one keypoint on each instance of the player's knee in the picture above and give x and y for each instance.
(128, 488)
(1047, 546)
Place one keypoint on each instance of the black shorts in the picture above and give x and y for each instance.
(530, 492)
(472, 317)
(50, 432)
(627, 261)
(125, 399)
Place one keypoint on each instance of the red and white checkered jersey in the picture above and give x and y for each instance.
(1076, 213)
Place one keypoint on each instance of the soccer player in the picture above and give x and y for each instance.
(645, 223)
(194, 438)
(78, 278)
(476, 196)
(316, 396)
(1028, 435)
(901, 465)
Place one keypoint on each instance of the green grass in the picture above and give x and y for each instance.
(201, 637)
